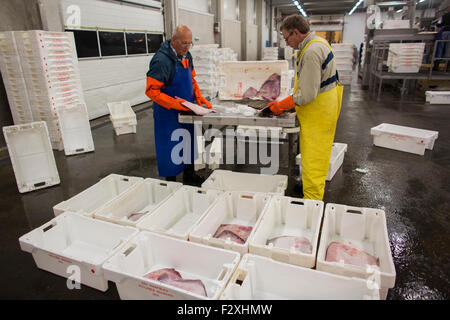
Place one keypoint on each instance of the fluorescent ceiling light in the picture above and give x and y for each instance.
(299, 7)
(354, 8)
(400, 10)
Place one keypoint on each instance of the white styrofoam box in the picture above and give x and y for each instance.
(234, 207)
(261, 278)
(365, 229)
(89, 201)
(402, 138)
(72, 240)
(437, 97)
(58, 145)
(238, 76)
(396, 24)
(31, 156)
(148, 252)
(141, 198)
(75, 129)
(336, 159)
(181, 212)
(239, 181)
(286, 216)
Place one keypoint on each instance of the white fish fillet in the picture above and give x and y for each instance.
(301, 244)
(198, 110)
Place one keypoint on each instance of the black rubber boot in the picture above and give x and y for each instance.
(190, 177)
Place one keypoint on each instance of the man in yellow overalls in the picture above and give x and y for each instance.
(317, 98)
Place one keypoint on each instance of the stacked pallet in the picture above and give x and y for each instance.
(405, 57)
(345, 59)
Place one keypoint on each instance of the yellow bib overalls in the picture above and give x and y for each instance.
(317, 128)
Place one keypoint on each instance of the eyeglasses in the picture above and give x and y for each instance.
(290, 34)
(186, 45)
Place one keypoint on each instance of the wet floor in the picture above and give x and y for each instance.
(413, 190)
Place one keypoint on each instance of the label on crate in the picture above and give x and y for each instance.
(59, 259)
(155, 290)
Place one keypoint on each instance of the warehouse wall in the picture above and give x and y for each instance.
(354, 28)
(200, 23)
(232, 36)
(118, 78)
(15, 15)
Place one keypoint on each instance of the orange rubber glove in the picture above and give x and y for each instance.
(197, 93)
(279, 107)
(153, 91)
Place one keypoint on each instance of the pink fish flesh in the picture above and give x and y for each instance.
(250, 93)
(236, 233)
(270, 89)
(195, 286)
(338, 251)
(287, 242)
(135, 216)
(162, 273)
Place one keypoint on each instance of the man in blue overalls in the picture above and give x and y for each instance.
(171, 81)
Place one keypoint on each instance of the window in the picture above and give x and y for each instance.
(136, 43)
(112, 43)
(154, 42)
(86, 43)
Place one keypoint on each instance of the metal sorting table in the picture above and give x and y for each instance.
(287, 121)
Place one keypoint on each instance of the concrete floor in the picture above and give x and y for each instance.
(413, 190)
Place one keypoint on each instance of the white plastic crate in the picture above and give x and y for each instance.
(8, 44)
(336, 159)
(239, 181)
(75, 129)
(437, 97)
(142, 198)
(261, 278)
(31, 156)
(238, 76)
(148, 252)
(71, 240)
(238, 208)
(122, 117)
(402, 138)
(364, 229)
(286, 216)
(95, 197)
(179, 214)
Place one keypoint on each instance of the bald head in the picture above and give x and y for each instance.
(182, 40)
(181, 31)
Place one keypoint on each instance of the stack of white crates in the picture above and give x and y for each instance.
(405, 57)
(270, 53)
(13, 79)
(40, 70)
(227, 54)
(345, 59)
(206, 61)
